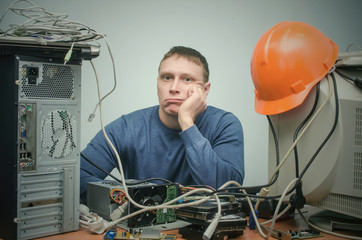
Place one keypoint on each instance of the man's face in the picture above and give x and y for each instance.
(176, 76)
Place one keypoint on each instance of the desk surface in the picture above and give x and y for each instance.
(295, 223)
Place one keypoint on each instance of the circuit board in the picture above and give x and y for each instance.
(143, 235)
(293, 235)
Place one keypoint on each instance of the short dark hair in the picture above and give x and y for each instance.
(191, 55)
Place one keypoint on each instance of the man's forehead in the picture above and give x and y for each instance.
(181, 63)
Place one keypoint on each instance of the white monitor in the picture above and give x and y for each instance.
(334, 180)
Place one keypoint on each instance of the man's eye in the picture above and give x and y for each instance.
(188, 79)
(166, 77)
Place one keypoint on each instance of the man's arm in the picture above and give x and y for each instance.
(220, 161)
(223, 160)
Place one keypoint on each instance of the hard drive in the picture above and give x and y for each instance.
(229, 226)
(206, 211)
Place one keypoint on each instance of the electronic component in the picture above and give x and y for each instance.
(141, 235)
(206, 210)
(229, 226)
(99, 201)
(232, 222)
(32, 73)
(296, 234)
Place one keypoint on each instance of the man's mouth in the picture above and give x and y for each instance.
(174, 100)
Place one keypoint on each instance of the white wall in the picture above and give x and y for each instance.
(141, 31)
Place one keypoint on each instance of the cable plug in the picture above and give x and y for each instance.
(211, 228)
(84, 210)
(91, 117)
(297, 200)
(98, 225)
(263, 192)
(68, 56)
(252, 220)
(92, 221)
(118, 212)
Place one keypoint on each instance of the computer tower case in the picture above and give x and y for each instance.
(40, 138)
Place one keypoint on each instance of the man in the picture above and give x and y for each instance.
(181, 139)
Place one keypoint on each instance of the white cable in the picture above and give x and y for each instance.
(279, 215)
(57, 28)
(47, 26)
(353, 44)
(290, 185)
(254, 216)
(304, 129)
(92, 115)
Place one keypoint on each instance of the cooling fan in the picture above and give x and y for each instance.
(152, 196)
(59, 134)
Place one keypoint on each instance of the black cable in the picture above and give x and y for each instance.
(301, 126)
(149, 180)
(239, 194)
(325, 140)
(330, 132)
(119, 180)
(277, 154)
(101, 169)
(297, 186)
(357, 81)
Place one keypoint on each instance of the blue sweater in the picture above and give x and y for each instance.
(211, 152)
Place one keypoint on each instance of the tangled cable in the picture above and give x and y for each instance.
(45, 26)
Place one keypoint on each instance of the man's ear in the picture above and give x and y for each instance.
(207, 88)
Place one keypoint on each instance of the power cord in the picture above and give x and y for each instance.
(357, 81)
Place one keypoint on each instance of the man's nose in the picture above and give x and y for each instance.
(175, 86)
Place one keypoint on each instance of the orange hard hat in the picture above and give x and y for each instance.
(288, 60)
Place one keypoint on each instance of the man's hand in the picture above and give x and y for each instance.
(192, 107)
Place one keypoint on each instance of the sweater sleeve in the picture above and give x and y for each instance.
(100, 154)
(214, 163)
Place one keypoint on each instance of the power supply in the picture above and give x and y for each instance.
(40, 143)
(101, 201)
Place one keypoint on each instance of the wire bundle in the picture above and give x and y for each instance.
(47, 27)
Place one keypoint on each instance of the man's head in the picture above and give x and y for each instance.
(183, 77)
(190, 54)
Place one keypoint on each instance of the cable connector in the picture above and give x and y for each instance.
(118, 212)
(297, 200)
(263, 192)
(92, 221)
(252, 220)
(98, 225)
(211, 228)
(69, 54)
(84, 210)
(91, 117)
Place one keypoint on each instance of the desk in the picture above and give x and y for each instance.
(295, 223)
